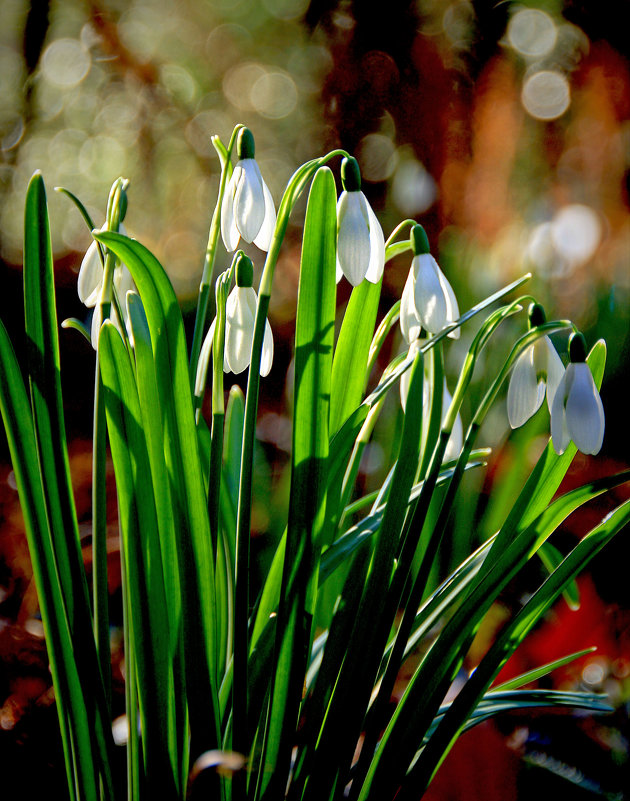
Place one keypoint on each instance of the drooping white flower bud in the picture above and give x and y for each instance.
(577, 412)
(360, 240)
(247, 210)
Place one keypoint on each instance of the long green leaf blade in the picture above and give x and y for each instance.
(313, 366)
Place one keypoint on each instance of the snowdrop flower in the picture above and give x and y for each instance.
(240, 315)
(537, 371)
(90, 285)
(428, 299)
(247, 210)
(360, 241)
(577, 413)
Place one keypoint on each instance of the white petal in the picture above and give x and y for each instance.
(584, 411)
(204, 359)
(429, 294)
(239, 328)
(525, 393)
(249, 200)
(266, 358)
(123, 282)
(452, 307)
(229, 231)
(377, 248)
(410, 324)
(559, 431)
(90, 276)
(353, 237)
(265, 235)
(555, 369)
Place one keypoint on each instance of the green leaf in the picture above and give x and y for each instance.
(195, 560)
(428, 686)
(81, 765)
(314, 338)
(152, 643)
(45, 385)
(349, 376)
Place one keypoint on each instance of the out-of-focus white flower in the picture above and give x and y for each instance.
(247, 210)
(577, 413)
(537, 371)
(360, 240)
(240, 316)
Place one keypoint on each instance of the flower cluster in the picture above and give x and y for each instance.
(574, 404)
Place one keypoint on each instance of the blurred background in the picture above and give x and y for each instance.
(504, 127)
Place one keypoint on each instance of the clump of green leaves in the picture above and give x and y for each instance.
(270, 694)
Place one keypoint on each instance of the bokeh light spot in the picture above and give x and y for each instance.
(238, 83)
(65, 63)
(576, 232)
(377, 157)
(532, 32)
(286, 9)
(413, 188)
(546, 95)
(274, 95)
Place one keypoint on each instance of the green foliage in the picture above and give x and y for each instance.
(291, 676)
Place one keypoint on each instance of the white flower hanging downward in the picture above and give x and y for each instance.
(537, 371)
(240, 316)
(360, 240)
(90, 286)
(577, 413)
(247, 210)
(428, 299)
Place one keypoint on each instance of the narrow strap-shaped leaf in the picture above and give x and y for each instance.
(45, 384)
(313, 366)
(188, 492)
(508, 640)
(374, 617)
(352, 351)
(81, 766)
(144, 576)
(429, 683)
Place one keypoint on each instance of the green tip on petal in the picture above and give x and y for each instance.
(419, 241)
(536, 315)
(577, 347)
(244, 271)
(245, 146)
(350, 175)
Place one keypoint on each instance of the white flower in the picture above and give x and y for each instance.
(577, 413)
(247, 210)
(360, 240)
(90, 285)
(240, 315)
(434, 298)
(410, 322)
(538, 369)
